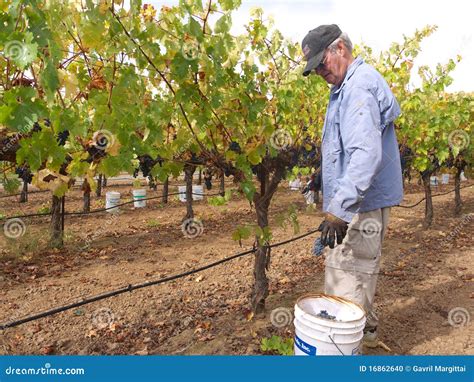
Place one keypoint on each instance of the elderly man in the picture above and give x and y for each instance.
(361, 174)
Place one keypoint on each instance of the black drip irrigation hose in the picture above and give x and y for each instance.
(42, 214)
(18, 194)
(179, 193)
(39, 214)
(130, 287)
(444, 193)
(78, 186)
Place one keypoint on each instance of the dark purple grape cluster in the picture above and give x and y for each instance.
(36, 127)
(24, 173)
(62, 137)
(146, 164)
(234, 146)
(326, 315)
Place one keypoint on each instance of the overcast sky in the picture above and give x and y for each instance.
(378, 23)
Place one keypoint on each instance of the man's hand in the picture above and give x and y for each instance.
(331, 228)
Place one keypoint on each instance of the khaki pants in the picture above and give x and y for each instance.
(352, 267)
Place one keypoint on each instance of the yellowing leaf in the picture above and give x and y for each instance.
(69, 81)
(103, 7)
(48, 180)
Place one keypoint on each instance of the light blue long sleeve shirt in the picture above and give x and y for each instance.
(360, 157)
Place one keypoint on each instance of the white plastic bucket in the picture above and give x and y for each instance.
(434, 180)
(198, 193)
(445, 179)
(316, 335)
(112, 198)
(138, 196)
(295, 185)
(182, 193)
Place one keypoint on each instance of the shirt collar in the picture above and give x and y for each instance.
(350, 71)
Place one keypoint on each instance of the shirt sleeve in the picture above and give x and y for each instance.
(361, 135)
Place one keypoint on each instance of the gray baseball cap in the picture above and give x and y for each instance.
(316, 42)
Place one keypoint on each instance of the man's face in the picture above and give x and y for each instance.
(333, 67)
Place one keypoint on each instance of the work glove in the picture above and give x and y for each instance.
(332, 228)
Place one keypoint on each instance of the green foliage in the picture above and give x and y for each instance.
(189, 91)
(248, 189)
(290, 216)
(305, 171)
(152, 223)
(430, 115)
(39, 148)
(220, 200)
(186, 87)
(44, 209)
(262, 235)
(20, 49)
(277, 345)
(20, 108)
(242, 233)
(10, 183)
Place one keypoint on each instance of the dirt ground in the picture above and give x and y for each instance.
(426, 274)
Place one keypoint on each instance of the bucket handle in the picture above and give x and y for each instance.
(340, 351)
